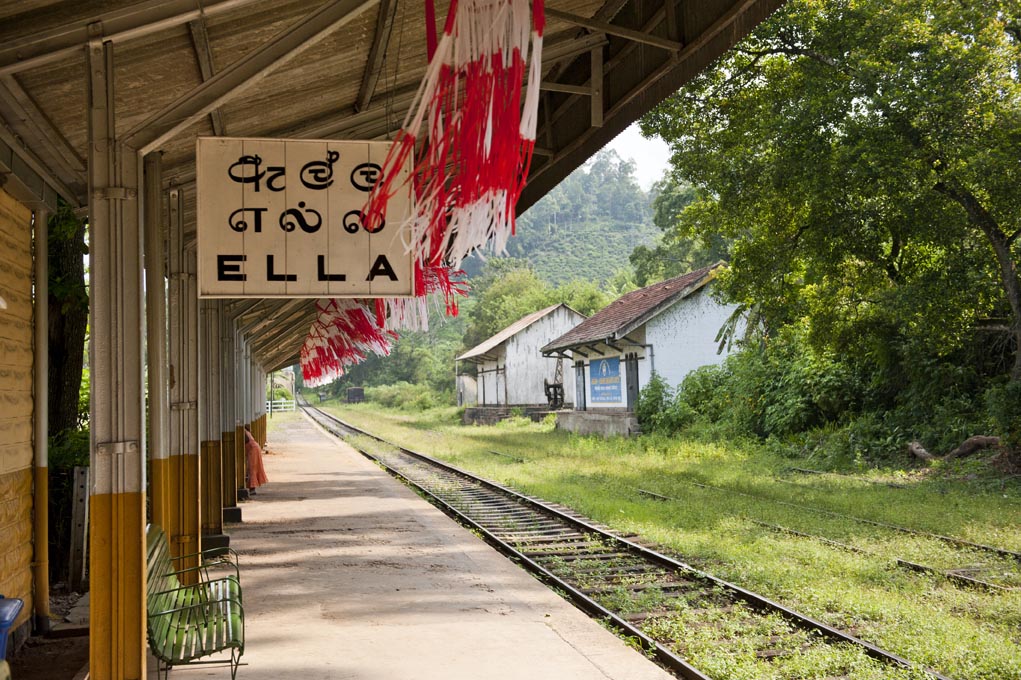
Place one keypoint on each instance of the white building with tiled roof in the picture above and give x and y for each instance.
(669, 327)
(509, 370)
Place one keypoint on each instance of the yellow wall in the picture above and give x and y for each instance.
(16, 402)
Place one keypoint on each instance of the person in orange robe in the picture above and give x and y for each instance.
(253, 455)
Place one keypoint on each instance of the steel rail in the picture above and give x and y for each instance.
(683, 668)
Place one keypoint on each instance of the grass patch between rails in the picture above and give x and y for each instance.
(963, 633)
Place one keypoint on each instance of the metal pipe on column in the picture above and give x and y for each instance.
(209, 426)
(228, 417)
(185, 536)
(41, 489)
(156, 341)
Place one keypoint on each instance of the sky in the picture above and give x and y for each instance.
(651, 156)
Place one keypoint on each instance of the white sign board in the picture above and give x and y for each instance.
(282, 218)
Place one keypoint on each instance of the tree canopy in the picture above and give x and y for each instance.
(861, 157)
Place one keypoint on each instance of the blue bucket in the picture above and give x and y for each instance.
(9, 610)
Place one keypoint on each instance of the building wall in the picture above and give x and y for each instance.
(527, 368)
(683, 337)
(676, 342)
(491, 380)
(16, 357)
(522, 368)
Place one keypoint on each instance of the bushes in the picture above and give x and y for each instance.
(1003, 406)
(808, 402)
(404, 395)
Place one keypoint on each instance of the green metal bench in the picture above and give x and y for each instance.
(188, 622)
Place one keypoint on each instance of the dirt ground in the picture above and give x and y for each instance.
(50, 659)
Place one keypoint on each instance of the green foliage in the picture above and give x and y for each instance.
(858, 161)
(404, 396)
(68, 449)
(860, 157)
(680, 250)
(510, 289)
(1003, 404)
(653, 401)
(585, 227)
(281, 394)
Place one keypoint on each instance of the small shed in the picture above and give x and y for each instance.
(507, 371)
(668, 327)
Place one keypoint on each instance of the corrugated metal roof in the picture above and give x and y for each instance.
(628, 312)
(507, 333)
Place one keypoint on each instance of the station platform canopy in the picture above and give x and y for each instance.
(344, 69)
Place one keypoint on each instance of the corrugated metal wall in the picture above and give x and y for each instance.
(16, 402)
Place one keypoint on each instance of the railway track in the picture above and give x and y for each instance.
(688, 620)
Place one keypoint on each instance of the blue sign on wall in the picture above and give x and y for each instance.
(604, 380)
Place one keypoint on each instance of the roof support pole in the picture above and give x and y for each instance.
(41, 372)
(185, 537)
(377, 53)
(228, 421)
(117, 497)
(209, 426)
(156, 342)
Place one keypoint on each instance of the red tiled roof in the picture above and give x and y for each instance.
(629, 311)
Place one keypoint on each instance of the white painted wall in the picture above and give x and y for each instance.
(525, 367)
(683, 337)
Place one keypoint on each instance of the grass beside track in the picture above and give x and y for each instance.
(964, 633)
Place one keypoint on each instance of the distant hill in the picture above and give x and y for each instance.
(587, 226)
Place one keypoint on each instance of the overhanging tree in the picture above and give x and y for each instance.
(863, 157)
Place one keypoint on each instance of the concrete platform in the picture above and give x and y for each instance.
(348, 574)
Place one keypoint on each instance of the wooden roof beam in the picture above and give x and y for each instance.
(613, 29)
(377, 53)
(244, 74)
(21, 163)
(204, 54)
(134, 21)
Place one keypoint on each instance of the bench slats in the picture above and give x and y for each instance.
(186, 623)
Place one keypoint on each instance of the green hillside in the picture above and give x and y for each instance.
(587, 226)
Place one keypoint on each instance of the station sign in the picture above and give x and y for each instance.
(283, 218)
(604, 380)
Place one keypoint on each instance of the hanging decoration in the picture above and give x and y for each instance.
(478, 104)
(479, 132)
(345, 332)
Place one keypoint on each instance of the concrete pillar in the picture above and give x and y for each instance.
(156, 344)
(117, 494)
(185, 534)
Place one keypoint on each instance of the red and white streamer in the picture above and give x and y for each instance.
(478, 104)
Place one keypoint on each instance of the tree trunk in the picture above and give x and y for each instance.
(1000, 242)
(69, 315)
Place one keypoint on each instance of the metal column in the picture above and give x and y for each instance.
(117, 517)
(185, 536)
(228, 417)
(156, 344)
(41, 488)
(209, 426)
